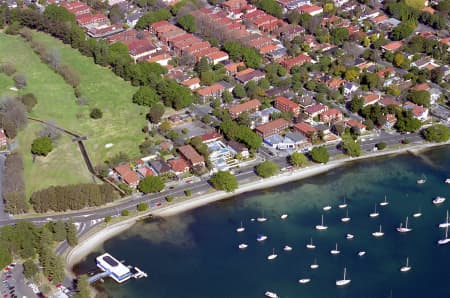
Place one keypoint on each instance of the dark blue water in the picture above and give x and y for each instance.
(196, 255)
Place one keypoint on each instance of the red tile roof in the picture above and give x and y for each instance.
(393, 46)
(191, 154)
(304, 128)
(272, 125)
(178, 165)
(245, 107)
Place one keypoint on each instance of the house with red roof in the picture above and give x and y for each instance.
(355, 123)
(96, 20)
(214, 90)
(191, 155)
(246, 107)
(145, 171)
(418, 112)
(330, 116)
(125, 174)
(179, 166)
(388, 101)
(211, 137)
(285, 105)
(315, 110)
(305, 128)
(392, 46)
(296, 61)
(140, 48)
(193, 83)
(271, 128)
(371, 99)
(312, 10)
(390, 121)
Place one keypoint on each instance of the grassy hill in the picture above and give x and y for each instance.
(121, 123)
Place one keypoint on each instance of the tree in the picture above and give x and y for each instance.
(29, 101)
(399, 60)
(125, 212)
(437, 133)
(20, 80)
(417, 4)
(42, 146)
(71, 229)
(350, 146)
(406, 123)
(156, 112)
(320, 154)
(96, 113)
(356, 104)
(146, 96)
(188, 192)
(298, 159)
(152, 17)
(381, 145)
(421, 97)
(116, 14)
(402, 31)
(59, 231)
(30, 269)
(271, 7)
(267, 169)
(5, 256)
(83, 287)
(239, 91)
(187, 22)
(224, 180)
(339, 35)
(151, 184)
(142, 207)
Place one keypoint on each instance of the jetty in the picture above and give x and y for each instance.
(115, 269)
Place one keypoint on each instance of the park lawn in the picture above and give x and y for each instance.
(5, 84)
(121, 123)
(122, 120)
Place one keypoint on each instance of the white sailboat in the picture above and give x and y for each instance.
(447, 181)
(327, 208)
(335, 251)
(314, 265)
(344, 281)
(378, 233)
(374, 213)
(284, 216)
(406, 268)
(361, 253)
(385, 202)
(243, 246)
(304, 280)
(321, 227)
(343, 205)
(404, 229)
(417, 214)
(310, 245)
(446, 239)
(261, 238)
(349, 236)
(271, 294)
(240, 229)
(346, 218)
(446, 223)
(438, 200)
(261, 218)
(273, 255)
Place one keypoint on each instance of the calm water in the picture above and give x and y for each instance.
(196, 254)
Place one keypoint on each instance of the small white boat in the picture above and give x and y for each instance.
(422, 180)
(406, 268)
(346, 218)
(273, 255)
(378, 233)
(287, 248)
(361, 253)
(335, 251)
(404, 229)
(438, 200)
(261, 238)
(327, 208)
(252, 219)
(314, 265)
(344, 281)
(321, 227)
(310, 245)
(284, 216)
(447, 180)
(304, 280)
(343, 205)
(446, 239)
(271, 294)
(240, 229)
(349, 236)
(446, 223)
(261, 218)
(243, 246)
(417, 214)
(374, 213)
(385, 202)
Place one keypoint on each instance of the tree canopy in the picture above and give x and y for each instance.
(151, 184)
(437, 133)
(320, 154)
(42, 146)
(224, 180)
(267, 169)
(187, 22)
(421, 97)
(146, 96)
(298, 159)
(153, 17)
(350, 146)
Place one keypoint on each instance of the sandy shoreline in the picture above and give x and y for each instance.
(96, 237)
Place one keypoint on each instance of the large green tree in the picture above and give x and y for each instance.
(320, 154)
(145, 96)
(421, 97)
(151, 184)
(437, 133)
(224, 180)
(267, 169)
(30, 269)
(187, 22)
(350, 146)
(298, 159)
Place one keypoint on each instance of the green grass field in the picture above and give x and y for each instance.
(121, 123)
